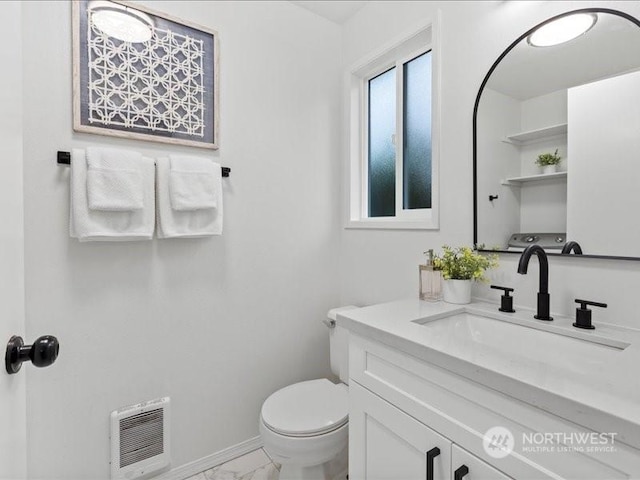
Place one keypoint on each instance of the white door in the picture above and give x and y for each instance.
(603, 167)
(12, 387)
(387, 444)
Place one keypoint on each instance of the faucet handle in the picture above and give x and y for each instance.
(506, 302)
(585, 303)
(571, 246)
(583, 314)
(507, 290)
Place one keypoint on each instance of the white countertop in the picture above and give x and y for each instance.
(596, 386)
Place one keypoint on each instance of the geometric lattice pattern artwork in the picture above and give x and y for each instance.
(144, 75)
(155, 86)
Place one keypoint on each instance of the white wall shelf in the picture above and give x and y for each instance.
(533, 136)
(519, 181)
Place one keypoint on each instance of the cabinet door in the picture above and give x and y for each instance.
(387, 444)
(465, 466)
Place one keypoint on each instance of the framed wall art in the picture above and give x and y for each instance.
(144, 75)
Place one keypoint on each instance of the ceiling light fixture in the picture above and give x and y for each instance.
(121, 22)
(562, 30)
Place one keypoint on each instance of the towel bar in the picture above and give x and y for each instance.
(64, 158)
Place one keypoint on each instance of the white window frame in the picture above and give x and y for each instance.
(396, 53)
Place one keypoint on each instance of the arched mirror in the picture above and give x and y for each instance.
(567, 90)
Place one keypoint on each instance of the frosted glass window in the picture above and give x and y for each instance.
(416, 156)
(382, 153)
(391, 163)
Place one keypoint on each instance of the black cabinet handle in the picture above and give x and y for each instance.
(461, 472)
(431, 454)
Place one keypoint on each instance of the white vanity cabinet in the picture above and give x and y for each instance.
(402, 407)
(388, 444)
(469, 467)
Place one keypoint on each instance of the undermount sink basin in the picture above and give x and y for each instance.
(466, 330)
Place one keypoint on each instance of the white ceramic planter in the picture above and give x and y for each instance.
(457, 291)
(549, 169)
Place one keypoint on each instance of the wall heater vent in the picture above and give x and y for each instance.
(140, 440)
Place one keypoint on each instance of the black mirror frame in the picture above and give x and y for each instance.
(633, 20)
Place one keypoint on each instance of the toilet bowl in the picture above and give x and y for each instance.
(304, 426)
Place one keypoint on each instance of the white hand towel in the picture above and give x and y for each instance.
(114, 179)
(94, 225)
(192, 183)
(188, 223)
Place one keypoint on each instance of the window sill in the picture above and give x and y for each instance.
(391, 224)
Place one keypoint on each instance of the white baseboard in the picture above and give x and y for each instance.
(205, 463)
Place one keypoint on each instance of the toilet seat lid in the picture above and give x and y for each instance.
(307, 408)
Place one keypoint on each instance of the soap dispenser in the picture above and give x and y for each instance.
(430, 280)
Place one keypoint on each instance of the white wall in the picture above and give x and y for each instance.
(216, 324)
(381, 265)
(498, 116)
(13, 442)
(544, 204)
(544, 110)
(539, 112)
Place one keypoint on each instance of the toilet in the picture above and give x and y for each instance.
(304, 426)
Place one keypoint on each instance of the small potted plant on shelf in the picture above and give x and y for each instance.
(460, 266)
(548, 162)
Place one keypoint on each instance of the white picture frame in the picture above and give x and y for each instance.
(165, 89)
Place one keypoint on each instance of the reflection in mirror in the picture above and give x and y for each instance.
(577, 100)
(121, 21)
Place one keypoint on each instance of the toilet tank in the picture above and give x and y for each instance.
(339, 346)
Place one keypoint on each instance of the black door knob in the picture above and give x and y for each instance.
(42, 353)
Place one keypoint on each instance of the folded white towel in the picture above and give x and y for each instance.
(187, 223)
(92, 225)
(114, 179)
(192, 183)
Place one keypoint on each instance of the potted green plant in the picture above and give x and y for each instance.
(548, 162)
(460, 266)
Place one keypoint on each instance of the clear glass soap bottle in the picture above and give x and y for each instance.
(430, 280)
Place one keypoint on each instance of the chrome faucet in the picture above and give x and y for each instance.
(575, 246)
(543, 291)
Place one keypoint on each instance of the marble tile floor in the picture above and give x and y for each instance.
(254, 465)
